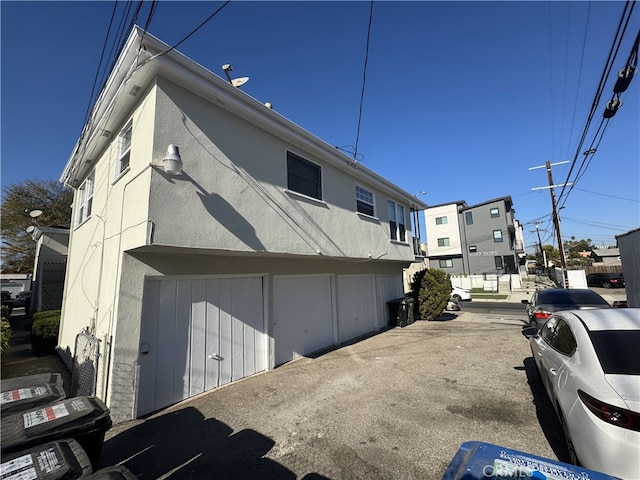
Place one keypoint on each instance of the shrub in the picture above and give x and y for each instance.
(44, 332)
(431, 289)
(5, 332)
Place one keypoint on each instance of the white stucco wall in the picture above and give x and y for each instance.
(449, 230)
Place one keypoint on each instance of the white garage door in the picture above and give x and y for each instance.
(303, 315)
(198, 334)
(356, 306)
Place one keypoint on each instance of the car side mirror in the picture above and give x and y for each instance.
(530, 332)
(526, 302)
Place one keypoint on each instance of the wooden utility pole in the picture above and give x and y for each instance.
(556, 223)
(556, 217)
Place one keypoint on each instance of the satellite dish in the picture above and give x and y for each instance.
(35, 213)
(238, 82)
(30, 228)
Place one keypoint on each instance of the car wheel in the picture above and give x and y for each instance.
(457, 298)
(573, 456)
(606, 285)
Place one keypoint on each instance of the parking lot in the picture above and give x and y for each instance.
(395, 405)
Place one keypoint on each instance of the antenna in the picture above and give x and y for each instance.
(236, 82)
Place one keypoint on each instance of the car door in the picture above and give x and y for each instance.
(561, 344)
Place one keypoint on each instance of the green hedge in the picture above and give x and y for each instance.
(5, 332)
(44, 332)
(430, 289)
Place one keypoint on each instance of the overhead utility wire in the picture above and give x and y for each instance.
(364, 80)
(615, 47)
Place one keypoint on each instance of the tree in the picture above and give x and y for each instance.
(573, 247)
(18, 199)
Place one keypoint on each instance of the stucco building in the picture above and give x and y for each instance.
(250, 244)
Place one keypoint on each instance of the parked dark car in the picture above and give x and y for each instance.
(22, 299)
(605, 280)
(545, 302)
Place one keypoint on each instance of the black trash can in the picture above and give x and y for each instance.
(85, 419)
(400, 311)
(61, 460)
(112, 473)
(29, 392)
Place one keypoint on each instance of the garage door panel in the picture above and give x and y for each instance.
(356, 306)
(303, 315)
(202, 333)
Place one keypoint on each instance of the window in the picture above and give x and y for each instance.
(124, 149)
(85, 199)
(441, 220)
(563, 340)
(494, 212)
(364, 201)
(497, 236)
(446, 263)
(396, 221)
(499, 264)
(443, 242)
(303, 176)
(473, 249)
(468, 217)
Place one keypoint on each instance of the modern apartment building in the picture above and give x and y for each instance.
(474, 240)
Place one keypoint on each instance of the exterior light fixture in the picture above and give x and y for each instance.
(172, 161)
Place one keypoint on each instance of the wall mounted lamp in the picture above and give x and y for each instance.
(172, 161)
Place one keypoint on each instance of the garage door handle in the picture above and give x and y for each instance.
(553, 371)
(215, 356)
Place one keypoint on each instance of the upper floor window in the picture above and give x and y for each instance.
(124, 148)
(497, 236)
(446, 263)
(441, 220)
(473, 248)
(443, 242)
(468, 217)
(396, 222)
(364, 201)
(494, 212)
(303, 176)
(85, 200)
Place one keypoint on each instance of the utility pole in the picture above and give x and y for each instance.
(556, 217)
(544, 255)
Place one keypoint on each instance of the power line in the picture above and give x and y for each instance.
(364, 80)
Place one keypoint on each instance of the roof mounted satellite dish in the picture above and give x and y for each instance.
(236, 82)
(35, 213)
(30, 228)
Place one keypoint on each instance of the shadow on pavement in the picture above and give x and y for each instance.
(185, 444)
(549, 422)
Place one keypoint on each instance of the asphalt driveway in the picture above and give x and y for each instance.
(395, 405)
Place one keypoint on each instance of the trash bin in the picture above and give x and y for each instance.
(61, 460)
(112, 473)
(479, 461)
(400, 311)
(31, 391)
(85, 419)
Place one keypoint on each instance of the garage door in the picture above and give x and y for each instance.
(198, 334)
(303, 315)
(356, 306)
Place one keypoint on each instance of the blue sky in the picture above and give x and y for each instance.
(461, 98)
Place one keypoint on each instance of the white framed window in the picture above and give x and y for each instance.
(85, 199)
(444, 242)
(446, 263)
(124, 148)
(397, 228)
(303, 176)
(364, 202)
(441, 220)
(497, 236)
(494, 212)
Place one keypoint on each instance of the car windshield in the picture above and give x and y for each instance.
(617, 350)
(571, 298)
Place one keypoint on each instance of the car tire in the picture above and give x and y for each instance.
(606, 285)
(457, 298)
(573, 456)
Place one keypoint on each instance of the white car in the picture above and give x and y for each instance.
(589, 363)
(459, 294)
